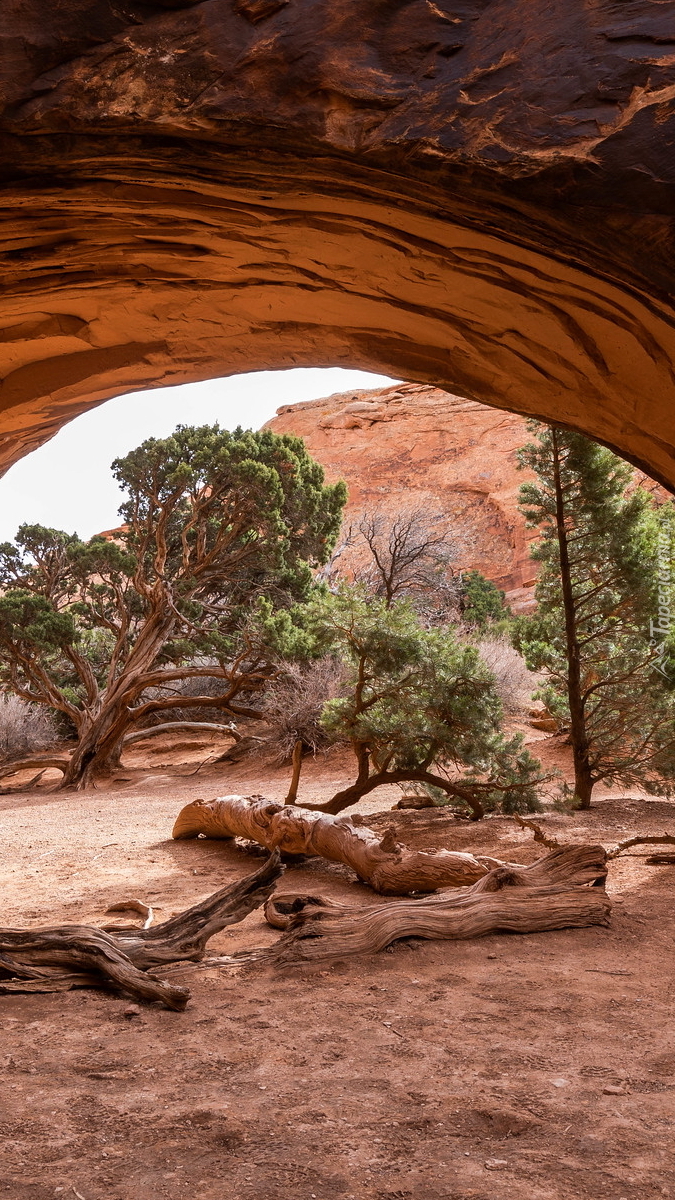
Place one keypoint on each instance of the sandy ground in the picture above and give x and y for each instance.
(432, 1071)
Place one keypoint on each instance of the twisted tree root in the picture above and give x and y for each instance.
(388, 867)
(563, 890)
(125, 957)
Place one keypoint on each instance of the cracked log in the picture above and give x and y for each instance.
(385, 865)
(67, 956)
(185, 726)
(563, 890)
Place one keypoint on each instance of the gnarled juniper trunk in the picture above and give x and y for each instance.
(100, 734)
(355, 792)
(97, 750)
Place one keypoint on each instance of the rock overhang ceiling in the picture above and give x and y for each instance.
(476, 195)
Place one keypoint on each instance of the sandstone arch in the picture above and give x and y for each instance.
(476, 194)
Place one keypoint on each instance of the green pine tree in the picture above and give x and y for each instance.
(416, 705)
(598, 593)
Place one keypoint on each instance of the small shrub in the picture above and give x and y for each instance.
(24, 727)
(294, 703)
(481, 601)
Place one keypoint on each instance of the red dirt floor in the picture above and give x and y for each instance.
(431, 1071)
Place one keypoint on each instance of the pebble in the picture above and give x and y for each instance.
(496, 1164)
(132, 1010)
(614, 1089)
(560, 1082)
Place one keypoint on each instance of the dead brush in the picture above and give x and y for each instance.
(24, 727)
(293, 705)
(514, 682)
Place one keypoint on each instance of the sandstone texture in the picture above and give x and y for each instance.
(411, 446)
(415, 447)
(476, 195)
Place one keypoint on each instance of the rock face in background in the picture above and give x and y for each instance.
(410, 446)
(476, 194)
(415, 446)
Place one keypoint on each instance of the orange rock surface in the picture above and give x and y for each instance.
(477, 196)
(412, 445)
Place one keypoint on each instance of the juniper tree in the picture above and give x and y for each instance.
(597, 593)
(214, 523)
(418, 705)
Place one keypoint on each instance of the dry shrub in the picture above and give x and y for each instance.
(514, 683)
(294, 702)
(24, 727)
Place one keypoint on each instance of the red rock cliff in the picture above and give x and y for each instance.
(411, 444)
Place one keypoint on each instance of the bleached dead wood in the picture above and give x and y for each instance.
(665, 839)
(383, 863)
(137, 906)
(185, 726)
(124, 959)
(557, 892)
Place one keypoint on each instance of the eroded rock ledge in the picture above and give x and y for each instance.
(412, 446)
(478, 196)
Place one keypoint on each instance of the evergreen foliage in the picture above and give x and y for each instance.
(481, 601)
(215, 524)
(601, 550)
(417, 704)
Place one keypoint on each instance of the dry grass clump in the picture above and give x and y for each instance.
(514, 682)
(294, 702)
(24, 727)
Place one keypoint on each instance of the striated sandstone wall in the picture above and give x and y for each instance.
(476, 194)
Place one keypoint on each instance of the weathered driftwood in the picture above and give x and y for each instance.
(137, 906)
(42, 957)
(557, 892)
(388, 867)
(186, 726)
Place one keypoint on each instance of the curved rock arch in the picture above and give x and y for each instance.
(476, 194)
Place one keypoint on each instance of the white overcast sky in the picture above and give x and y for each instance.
(67, 484)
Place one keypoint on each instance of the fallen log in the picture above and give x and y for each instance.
(664, 839)
(563, 890)
(42, 957)
(43, 761)
(385, 865)
(173, 726)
